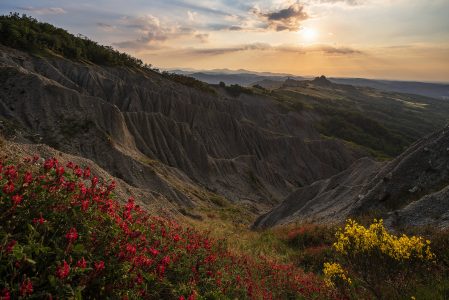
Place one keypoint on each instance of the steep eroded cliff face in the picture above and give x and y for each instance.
(411, 190)
(165, 137)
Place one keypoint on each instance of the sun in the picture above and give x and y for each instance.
(309, 34)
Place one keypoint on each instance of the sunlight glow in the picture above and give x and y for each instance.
(309, 34)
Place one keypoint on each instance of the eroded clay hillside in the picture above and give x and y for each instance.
(175, 141)
(411, 190)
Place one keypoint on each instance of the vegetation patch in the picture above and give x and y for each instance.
(62, 235)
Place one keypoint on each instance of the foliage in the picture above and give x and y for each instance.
(364, 131)
(381, 262)
(26, 33)
(62, 235)
(236, 90)
(189, 81)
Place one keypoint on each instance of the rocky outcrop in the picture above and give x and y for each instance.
(411, 190)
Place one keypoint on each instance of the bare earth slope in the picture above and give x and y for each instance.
(411, 190)
(164, 137)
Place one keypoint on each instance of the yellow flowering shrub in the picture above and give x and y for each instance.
(357, 239)
(380, 262)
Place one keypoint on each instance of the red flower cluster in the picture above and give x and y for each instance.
(109, 250)
(72, 235)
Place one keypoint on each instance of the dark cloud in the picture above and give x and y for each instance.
(235, 28)
(285, 19)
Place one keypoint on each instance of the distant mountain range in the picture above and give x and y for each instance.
(274, 80)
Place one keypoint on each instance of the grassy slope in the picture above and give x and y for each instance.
(385, 123)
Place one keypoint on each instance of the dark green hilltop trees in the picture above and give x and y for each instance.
(26, 33)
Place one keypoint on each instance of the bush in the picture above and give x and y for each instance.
(62, 235)
(383, 263)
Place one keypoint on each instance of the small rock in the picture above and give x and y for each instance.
(414, 189)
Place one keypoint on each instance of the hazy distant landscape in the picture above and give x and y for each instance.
(248, 78)
(162, 167)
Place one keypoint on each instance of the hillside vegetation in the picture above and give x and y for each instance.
(383, 122)
(26, 33)
(63, 235)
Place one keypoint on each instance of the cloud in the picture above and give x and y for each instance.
(105, 26)
(191, 15)
(235, 28)
(202, 37)
(284, 19)
(325, 49)
(43, 10)
(153, 33)
(347, 2)
(226, 50)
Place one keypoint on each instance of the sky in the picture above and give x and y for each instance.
(386, 39)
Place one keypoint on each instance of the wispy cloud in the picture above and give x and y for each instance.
(347, 2)
(325, 49)
(43, 10)
(153, 33)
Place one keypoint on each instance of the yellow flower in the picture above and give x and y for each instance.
(334, 272)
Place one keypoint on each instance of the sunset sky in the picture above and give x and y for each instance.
(391, 39)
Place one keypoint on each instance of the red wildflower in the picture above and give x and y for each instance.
(111, 185)
(10, 246)
(192, 297)
(6, 295)
(176, 238)
(131, 249)
(161, 270)
(78, 171)
(11, 172)
(181, 298)
(166, 260)
(72, 235)
(86, 173)
(85, 205)
(99, 265)
(8, 188)
(27, 178)
(63, 270)
(16, 199)
(40, 221)
(26, 287)
(60, 171)
(81, 263)
(94, 181)
(154, 252)
(70, 165)
(50, 163)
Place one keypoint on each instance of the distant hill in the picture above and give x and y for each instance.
(274, 80)
(435, 90)
(247, 78)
